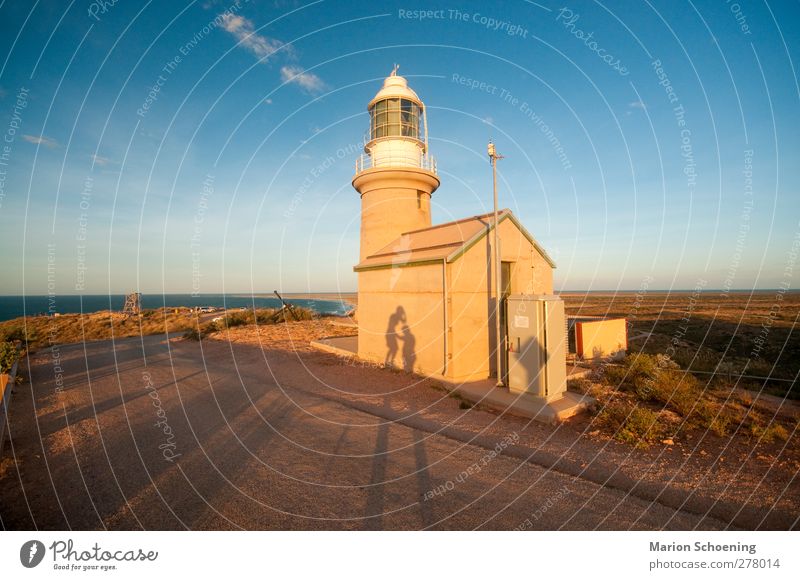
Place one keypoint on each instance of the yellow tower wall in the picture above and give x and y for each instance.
(393, 202)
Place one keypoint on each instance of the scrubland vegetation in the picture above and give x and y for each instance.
(750, 339)
(648, 399)
(36, 332)
(264, 316)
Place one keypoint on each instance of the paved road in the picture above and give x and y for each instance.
(153, 434)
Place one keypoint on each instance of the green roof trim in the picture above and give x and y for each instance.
(388, 265)
(506, 213)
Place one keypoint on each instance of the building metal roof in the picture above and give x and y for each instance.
(447, 241)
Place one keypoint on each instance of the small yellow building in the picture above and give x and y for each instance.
(426, 298)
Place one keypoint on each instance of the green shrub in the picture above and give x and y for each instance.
(192, 334)
(636, 425)
(201, 332)
(8, 354)
(242, 318)
(648, 391)
(300, 313)
(717, 419)
(657, 379)
(268, 315)
(767, 432)
(13, 333)
(770, 433)
(265, 315)
(614, 375)
(635, 372)
(679, 391)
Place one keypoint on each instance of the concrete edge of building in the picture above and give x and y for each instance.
(334, 346)
(484, 392)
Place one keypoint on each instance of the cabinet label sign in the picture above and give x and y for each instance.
(521, 321)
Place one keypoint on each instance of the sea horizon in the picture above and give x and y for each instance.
(17, 305)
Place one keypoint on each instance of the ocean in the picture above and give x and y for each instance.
(15, 306)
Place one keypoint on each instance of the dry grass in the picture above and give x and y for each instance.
(37, 332)
(261, 317)
(288, 337)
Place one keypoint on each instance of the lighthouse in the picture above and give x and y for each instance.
(396, 175)
(427, 297)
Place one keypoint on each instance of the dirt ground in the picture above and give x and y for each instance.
(253, 429)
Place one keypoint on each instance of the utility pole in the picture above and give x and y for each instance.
(493, 157)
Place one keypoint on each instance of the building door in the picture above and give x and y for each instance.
(506, 269)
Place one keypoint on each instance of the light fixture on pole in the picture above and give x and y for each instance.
(493, 157)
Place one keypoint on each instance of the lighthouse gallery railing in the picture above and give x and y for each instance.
(423, 161)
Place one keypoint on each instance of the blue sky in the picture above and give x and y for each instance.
(209, 146)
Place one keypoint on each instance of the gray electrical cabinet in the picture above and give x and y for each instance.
(536, 345)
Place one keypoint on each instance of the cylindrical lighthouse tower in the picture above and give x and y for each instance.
(396, 176)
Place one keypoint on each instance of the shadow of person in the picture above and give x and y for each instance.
(409, 356)
(398, 317)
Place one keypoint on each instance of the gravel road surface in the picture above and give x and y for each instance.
(171, 434)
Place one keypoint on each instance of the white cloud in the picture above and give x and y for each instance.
(264, 48)
(244, 31)
(101, 161)
(637, 105)
(268, 101)
(41, 140)
(307, 81)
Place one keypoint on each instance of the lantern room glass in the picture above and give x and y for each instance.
(394, 118)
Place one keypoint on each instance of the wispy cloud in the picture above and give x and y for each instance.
(637, 105)
(307, 81)
(264, 48)
(101, 161)
(41, 140)
(244, 31)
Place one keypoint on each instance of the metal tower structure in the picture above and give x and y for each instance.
(133, 304)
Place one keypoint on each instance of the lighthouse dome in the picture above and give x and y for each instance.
(395, 86)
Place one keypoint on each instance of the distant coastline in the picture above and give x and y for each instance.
(37, 305)
(348, 297)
